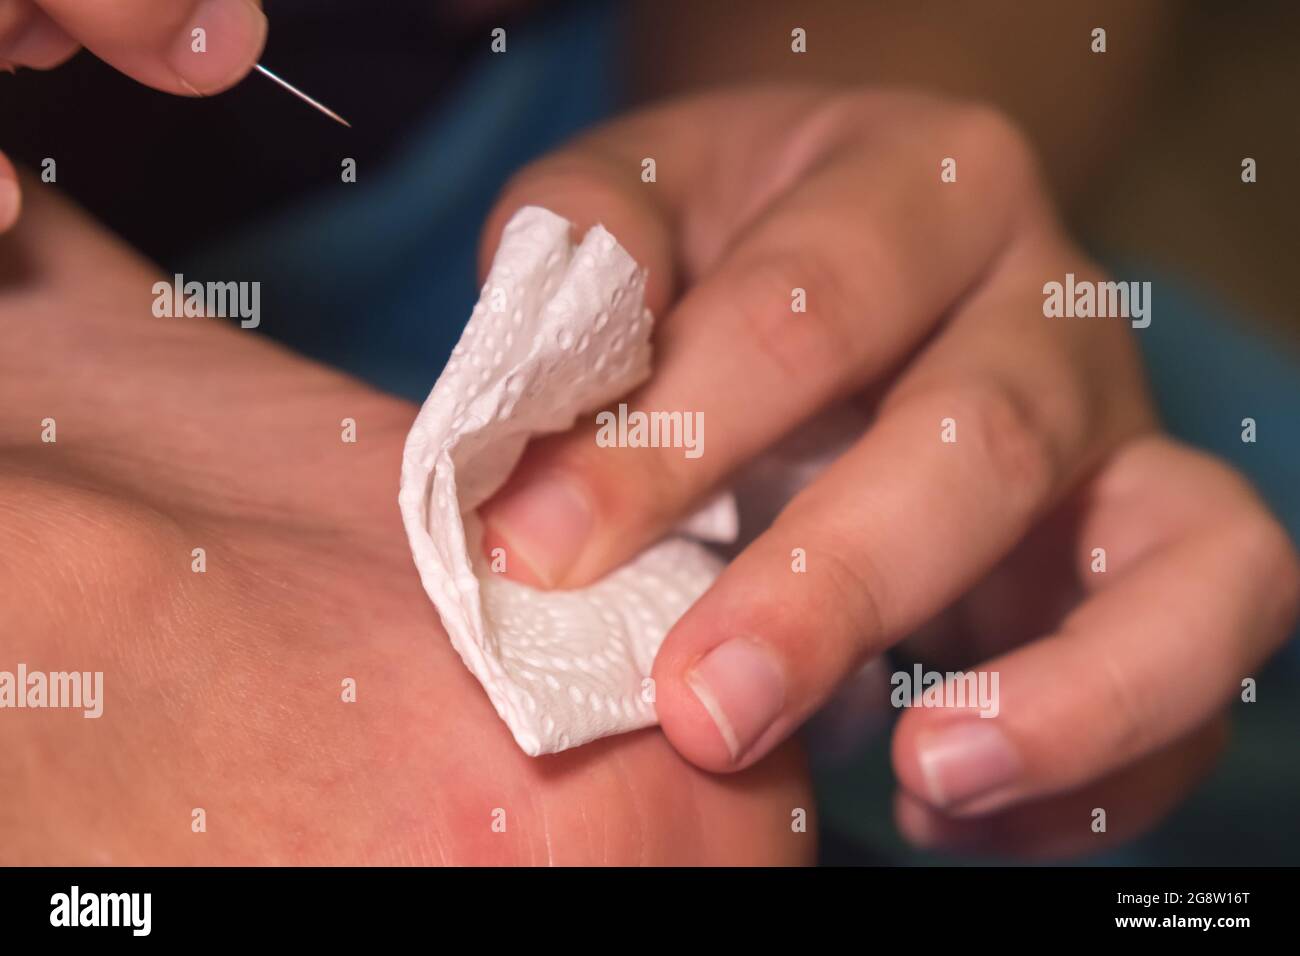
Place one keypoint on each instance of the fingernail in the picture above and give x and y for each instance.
(10, 202)
(965, 760)
(234, 32)
(741, 685)
(545, 524)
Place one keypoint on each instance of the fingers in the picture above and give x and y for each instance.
(893, 531)
(180, 46)
(1151, 655)
(30, 38)
(587, 186)
(964, 457)
(564, 493)
(878, 267)
(11, 197)
(1098, 817)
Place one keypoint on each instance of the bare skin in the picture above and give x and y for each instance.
(980, 551)
(1116, 684)
(223, 689)
(152, 41)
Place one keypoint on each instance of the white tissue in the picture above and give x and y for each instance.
(559, 331)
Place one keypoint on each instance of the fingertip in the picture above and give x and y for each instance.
(583, 185)
(719, 702)
(683, 717)
(691, 728)
(963, 765)
(42, 45)
(218, 46)
(11, 197)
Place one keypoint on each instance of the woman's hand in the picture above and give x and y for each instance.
(153, 41)
(1005, 448)
(223, 690)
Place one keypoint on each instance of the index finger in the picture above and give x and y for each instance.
(813, 201)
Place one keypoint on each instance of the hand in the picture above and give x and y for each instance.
(925, 302)
(149, 40)
(223, 689)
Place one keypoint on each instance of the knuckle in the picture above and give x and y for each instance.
(1014, 447)
(865, 109)
(991, 132)
(632, 489)
(1273, 553)
(1262, 546)
(996, 143)
(856, 592)
(795, 344)
(589, 188)
(568, 179)
(1126, 725)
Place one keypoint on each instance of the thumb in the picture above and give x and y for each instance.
(178, 46)
(30, 38)
(764, 648)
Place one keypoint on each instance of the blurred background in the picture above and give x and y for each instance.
(1143, 145)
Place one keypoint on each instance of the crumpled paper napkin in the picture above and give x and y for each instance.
(560, 330)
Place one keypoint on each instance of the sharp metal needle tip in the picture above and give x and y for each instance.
(303, 96)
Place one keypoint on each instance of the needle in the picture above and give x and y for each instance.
(303, 96)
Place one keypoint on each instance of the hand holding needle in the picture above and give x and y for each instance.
(202, 57)
(177, 52)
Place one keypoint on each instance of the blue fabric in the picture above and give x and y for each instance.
(378, 279)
